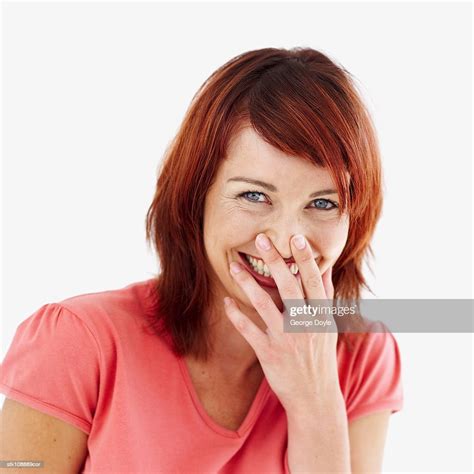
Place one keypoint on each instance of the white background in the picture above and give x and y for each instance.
(93, 93)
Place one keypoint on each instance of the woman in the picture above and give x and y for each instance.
(270, 191)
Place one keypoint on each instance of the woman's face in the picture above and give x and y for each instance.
(236, 211)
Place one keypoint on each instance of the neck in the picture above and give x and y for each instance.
(232, 355)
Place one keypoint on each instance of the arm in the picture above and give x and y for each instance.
(315, 447)
(318, 437)
(367, 438)
(303, 371)
(29, 435)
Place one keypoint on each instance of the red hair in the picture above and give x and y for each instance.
(304, 104)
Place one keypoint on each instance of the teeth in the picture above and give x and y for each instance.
(262, 268)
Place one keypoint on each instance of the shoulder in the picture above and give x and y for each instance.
(359, 351)
(76, 345)
(377, 336)
(119, 309)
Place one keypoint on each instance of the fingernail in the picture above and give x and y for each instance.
(299, 242)
(235, 267)
(263, 242)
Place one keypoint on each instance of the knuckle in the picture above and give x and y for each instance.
(263, 302)
(288, 288)
(306, 257)
(268, 354)
(273, 257)
(242, 324)
(313, 281)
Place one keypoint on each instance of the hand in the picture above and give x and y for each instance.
(298, 366)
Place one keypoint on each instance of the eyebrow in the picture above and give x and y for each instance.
(273, 188)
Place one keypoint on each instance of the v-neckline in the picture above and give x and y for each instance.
(254, 410)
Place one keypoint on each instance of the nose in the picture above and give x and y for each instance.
(280, 235)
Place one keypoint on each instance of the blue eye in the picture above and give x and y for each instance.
(321, 204)
(324, 203)
(244, 195)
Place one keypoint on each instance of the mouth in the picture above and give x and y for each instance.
(261, 272)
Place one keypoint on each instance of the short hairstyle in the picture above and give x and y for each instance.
(304, 104)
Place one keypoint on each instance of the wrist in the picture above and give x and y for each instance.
(327, 403)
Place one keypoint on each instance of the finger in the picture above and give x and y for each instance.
(259, 298)
(311, 278)
(329, 289)
(286, 282)
(328, 284)
(252, 334)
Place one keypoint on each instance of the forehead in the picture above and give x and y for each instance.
(250, 155)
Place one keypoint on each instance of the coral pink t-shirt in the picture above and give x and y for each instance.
(88, 361)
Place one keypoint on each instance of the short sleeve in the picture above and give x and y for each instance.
(52, 365)
(376, 381)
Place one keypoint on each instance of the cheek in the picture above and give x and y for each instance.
(331, 238)
(224, 232)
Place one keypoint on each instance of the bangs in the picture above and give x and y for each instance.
(291, 109)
